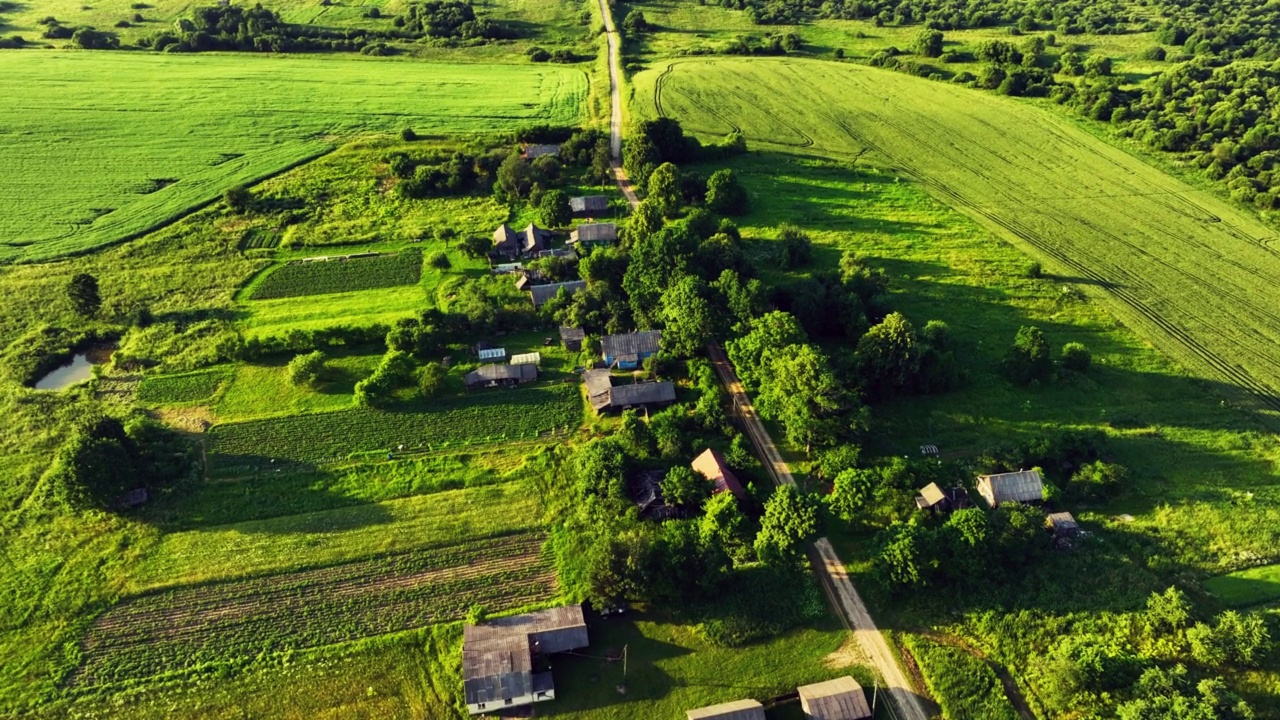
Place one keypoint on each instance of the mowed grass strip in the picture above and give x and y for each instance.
(483, 417)
(328, 537)
(1194, 274)
(187, 627)
(319, 277)
(1246, 587)
(104, 146)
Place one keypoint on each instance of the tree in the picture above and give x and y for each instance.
(928, 43)
(1076, 357)
(600, 171)
(799, 390)
(438, 260)
(790, 520)
(394, 370)
(904, 556)
(888, 358)
(1097, 480)
(599, 467)
(771, 331)
(797, 247)
(664, 189)
(1028, 360)
(634, 23)
(724, 525)
(685, 488)
(83, 291)
(476, 247)
(851, 493)
(515, 177)
(431, 379)
(640, 157)
(1168, 612)
(554, 210)
(237, 199)
(306, 369)
(687, 318)
(725, 195)
(656, 260)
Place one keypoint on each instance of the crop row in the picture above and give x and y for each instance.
(180, 389)
(487, 417)
(195, 626)
(333, 276)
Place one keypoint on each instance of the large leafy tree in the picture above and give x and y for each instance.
(655, 261)
(84, 295)
(553, 209)
(888, 357)
(799, 390)
(683, 487)
(688, 320)
(771, 331)
(725, 195)
(1028, 360)
(664, 189)
(791, 518)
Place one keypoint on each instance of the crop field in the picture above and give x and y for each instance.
(165, 133)
(363, 273)
(187, 627)
(455, 422)
(1191, 272)
(183, 389)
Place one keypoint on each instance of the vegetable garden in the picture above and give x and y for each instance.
(454, 422)
(341, 275)
(187, 388)
(229, 622)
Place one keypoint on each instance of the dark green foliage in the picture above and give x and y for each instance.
(306, 369)
(237, 199)
(688, 319)
(599, 468)
(394, 371)
(797, 247)
(451, 19)
(553, 209)
(84, 295)
(725, 195)
(771, 331)
(663, 188)
(762, 601)
(257, 29)
(91, 39)
(964, 685)
(1169, 693)
(456, 174)
(475, 247)
(928, 43)
(438, 261)
(684, 488)
(361, 273)
(408, 135)
(1028, 360)
(101, 460)
(1097, 480)
(635, 24)
(790, 520)
(515, 177)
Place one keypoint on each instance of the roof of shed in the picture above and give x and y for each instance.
(636, 343)
(594, 232)
(495, 372)
(1020, 486)
(589, 203)
(532, 358)
(556, 618)
(573, 333)
(839, 699)
(542, 293)
(711, 464)
(736, 710)
(537, 151)
(1062, 521)
(642, 394)
(932, 494)
(496, 660)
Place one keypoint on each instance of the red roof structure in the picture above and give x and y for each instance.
(711, 465)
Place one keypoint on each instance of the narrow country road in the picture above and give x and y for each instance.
(830, 569)
(835, 581)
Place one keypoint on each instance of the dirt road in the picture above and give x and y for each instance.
(615, 111)
(831, 571)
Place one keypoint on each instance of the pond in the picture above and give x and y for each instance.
(76, 370)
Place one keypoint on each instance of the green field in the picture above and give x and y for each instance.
(1184, 268)
(182, 389)
(341, 275)
(164, 134)
(1246, 587)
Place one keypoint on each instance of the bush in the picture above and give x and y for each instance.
(408, 135)
(725, 195)
(1028, 359)
(438, 260)
(306, 370)
(1076, 357)
(1097, 480)
(797, 247)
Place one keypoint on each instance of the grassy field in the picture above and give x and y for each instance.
(165, 134)
(1184, 268)
(1246, 587)
(342, 275)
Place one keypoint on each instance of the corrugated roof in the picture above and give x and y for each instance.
(532, 358)
(736, 710)
(839, 699)
(594, 232)
(590, 203)
(1020, 486)
(496, 659)
(711, 464)
(649, 393)
(542, 293)
(932, 494)
(573, 333)
(599, 384)
(636, 343)
(1062, 521)
(497, 372)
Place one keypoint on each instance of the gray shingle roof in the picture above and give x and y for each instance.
(839, 699)
(636, 343)
(497, 372)
(590, 203)
(594, 232)
(542, 293)
(496, 656)
(642, 394)
(1020, 486)
(536, 151)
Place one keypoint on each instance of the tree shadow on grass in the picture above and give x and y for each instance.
(590, 680)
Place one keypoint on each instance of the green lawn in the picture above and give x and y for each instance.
(166, 133)
(1246, 587)
(264, 390)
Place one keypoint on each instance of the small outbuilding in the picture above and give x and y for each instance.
(932, 498)
(712, 466)
(599, 389)
(540, 294)
(589, 206)
(498, 657)
(628, 351)
(594, 234)
(1062, 525)
(736, 710)
(533, 152)
(839, 699)
(1023, 486)
(498, 375)
(532, 358)
(572, 338)
(491, 354)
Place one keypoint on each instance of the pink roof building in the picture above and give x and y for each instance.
(711, 465)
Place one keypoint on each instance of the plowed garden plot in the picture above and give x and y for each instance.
(341, 275)
(187, 627)
(484, 417)
(1193, 273)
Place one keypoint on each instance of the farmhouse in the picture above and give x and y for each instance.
(599, 389)
(498, 658)
(1023, 486)
(534, 239)
(506, 244)
(839, 699)
(736, 710)
(604, 396)
(628, 351)
(711, 465)
(533, 152)
(594, 234)
(572, 338)
(542, 293)
(589, 206)
(497, 375)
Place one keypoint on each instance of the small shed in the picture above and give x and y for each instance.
(1023, 486)
(1062, 524)
(629, 350)
(540, 294)
(533, 152)
(599, 389)
(839, 699)
(491, 354)
(594, 234)
(532, 358)
(589, 205)
(497, 375)
(711, 465)
(736, 710)
(572, 338)
(932, 498)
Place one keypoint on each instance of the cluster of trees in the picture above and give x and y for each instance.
(1028, 361)
(103, 458)
(440, 175)
(654, 142)
(255, 29)
(450, 19)
(1071, 17)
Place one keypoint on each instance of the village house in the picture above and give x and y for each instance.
(736, 710)
(509, 244)
(838, 699)
(540, 294)
(594, 234)
(627, 352)
(712, 466)
(589, 206)
(499, 657)
(604, 396)
(1023, 486)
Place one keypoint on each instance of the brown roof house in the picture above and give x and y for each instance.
(711, 465)
(499, 657)
(1023, 486)
(534, 239)
(589, 205)
(839, 699)
(736, 710)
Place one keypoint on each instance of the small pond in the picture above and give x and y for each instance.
(76, 370)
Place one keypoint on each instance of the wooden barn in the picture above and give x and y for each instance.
(736, 710)
(594, 234)
(589, 206)
(572, 337)
(1062, 525)
(498, 375)
(1023, 486)
(839, 699)
(498, 657)
(540, 294)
